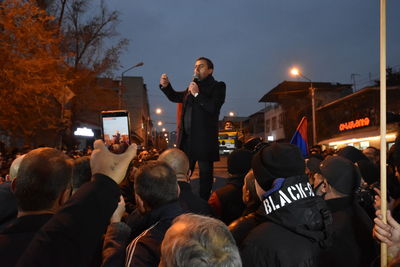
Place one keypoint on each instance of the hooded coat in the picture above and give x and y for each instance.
(289, 229)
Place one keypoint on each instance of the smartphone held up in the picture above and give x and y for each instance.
(116, 130)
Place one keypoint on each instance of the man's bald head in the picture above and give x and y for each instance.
(177, 160)
(15, 166)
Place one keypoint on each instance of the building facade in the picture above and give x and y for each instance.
(355, 119)
(135, 100)
(288, 102)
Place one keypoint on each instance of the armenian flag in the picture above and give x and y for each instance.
(300, 137)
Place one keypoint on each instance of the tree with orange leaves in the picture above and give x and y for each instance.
(33, 73)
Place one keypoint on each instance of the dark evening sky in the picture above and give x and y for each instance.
(254, 43)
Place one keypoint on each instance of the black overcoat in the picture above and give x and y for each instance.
(201, 121)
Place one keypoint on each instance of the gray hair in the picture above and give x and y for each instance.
(196, 240)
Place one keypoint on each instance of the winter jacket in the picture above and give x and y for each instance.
(226, 202)
(289, 228)
(72, 236)
(145, 249)
(352, 242)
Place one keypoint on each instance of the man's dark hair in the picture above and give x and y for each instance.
(82, 172)
(43, 175)
(210, 65)
(156, 184)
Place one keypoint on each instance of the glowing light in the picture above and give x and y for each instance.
(84, 132)
(295, 71)
(159, 123)
(355, 140)
(158, 110)
(231, 113)
(163, 129)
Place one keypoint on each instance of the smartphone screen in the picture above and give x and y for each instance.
(116, 129)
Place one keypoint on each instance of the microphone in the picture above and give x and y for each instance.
(195, 79)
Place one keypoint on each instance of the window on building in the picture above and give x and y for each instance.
(280, 121)
(267, 125)
(273, 126)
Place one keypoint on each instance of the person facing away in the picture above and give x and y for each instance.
(179, 162)
(156, 192)
(42, 186)
(81, 173)
(198, 122)
(291, 225)
(226, 201)
(74, 232)
(201, 241)
(189, 202)
(352, 242)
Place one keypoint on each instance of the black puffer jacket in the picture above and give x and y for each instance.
(288, 229)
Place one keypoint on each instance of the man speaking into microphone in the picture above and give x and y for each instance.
(198, 129)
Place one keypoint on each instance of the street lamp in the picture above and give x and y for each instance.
(122, 77)
(296, 72)
(231, 114)
(163, 129)
(159, 123)
(158, 110)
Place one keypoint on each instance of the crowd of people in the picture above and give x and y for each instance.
(99, 208)
(139, 209)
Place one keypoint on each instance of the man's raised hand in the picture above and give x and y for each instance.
(112, 165)
(164, 81)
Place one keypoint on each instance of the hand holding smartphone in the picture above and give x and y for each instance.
(116, 130)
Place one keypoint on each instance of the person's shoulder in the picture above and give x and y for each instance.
(220, 84)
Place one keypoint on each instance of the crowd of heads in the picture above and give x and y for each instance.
(45, 178)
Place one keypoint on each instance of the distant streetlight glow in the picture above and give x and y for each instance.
(158, 110)
(295, 71)
(159, 123)
(231, 113)
(163, 129)
(165, 134)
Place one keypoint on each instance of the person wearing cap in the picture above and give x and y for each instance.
(352, 242)
(226, 201)
(291, 225)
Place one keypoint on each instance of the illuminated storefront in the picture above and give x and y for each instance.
(354, 119)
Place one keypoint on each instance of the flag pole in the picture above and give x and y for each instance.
(383, 121)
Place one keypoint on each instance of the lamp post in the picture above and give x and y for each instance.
(296, 72)
(121, 84)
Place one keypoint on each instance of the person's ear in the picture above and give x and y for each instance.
(140, 204)
(13, 186)
(324, 186)
(65, 196)
(179, 189)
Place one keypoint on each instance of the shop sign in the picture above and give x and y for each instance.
(354, 124)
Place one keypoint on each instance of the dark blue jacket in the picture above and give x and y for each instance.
(144, 250)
